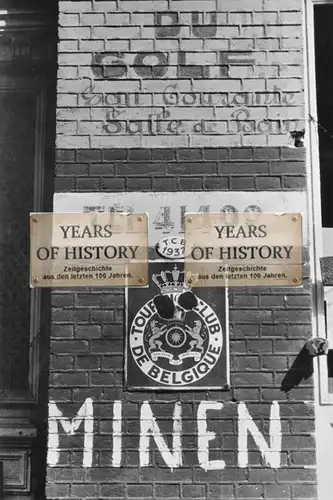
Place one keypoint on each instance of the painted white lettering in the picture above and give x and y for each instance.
(272, 454)
(116, 434)
(85, 414)
(204, 436)
(149, 429)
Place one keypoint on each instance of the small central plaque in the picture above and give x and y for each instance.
(73, 250)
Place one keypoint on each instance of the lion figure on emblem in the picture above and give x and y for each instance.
(198, 337)
(156, 333)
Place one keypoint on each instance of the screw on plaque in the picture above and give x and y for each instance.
(141, 280)
(294, 218)
(34, 219)
(189, 219)
(140, 218)
(295, 280)
(35, 280)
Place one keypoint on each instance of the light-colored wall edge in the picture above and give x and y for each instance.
(322, 403)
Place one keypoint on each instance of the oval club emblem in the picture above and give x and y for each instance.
(171, 247)
(176, 338)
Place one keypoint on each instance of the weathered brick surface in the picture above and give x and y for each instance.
(219, 169)
(165, 74)
(268, 328)
(229, 130)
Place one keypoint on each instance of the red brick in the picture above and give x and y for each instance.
(274, 362)
(260, 346)
(139, 490)
(247, 363)
(190, 184)
(112, 184)
(61, 363)
(251, 379)
(216, 183)
(69, 346)
(247, 394)
(84, 490)
(112, 490)
(193, 168)
(62, 331)
(165, 154)
(220, 491)
(74, 379)
(164, 184)
(242, 184)
(245, 301)
(194, 491)
(189, 154)
(65, 474)
(303, 458)
(65, 155)
(268, 183)
(89, 155)
(88, 184)
(87, 362)
(297, 183)
(266, 153)
(167, 490)
(305, 491)
(139, 154)
(277, 491)
(62, 184)
(250, 491)
(57, 490)
(216, 154)
(60, 395)
(114, 154)
(138, 184)
(241, 153)
(243, 168)
(72, 169)
(140, 169)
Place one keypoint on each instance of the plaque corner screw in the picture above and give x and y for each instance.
(294, 218)
(295, 280)
(34, 219)
(140, 218)
(141, 280)
(35, 280)
(189, 219)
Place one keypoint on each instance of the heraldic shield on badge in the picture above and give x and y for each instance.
(176, 336)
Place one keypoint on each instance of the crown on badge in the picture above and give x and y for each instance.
(174, 281)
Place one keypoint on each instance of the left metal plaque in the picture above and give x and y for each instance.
(89, 249)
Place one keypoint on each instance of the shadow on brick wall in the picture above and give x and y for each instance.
(301, 369)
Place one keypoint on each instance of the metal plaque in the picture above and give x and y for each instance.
(176, 339)
(75, 249)
(242, 249)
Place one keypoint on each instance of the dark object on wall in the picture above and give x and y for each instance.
(167, 308)
(326, 267)
(317, 346)
(301, 369)
(298, 138)
(164, 306)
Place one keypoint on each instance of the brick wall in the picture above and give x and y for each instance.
(179, 73)
(94, 425)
